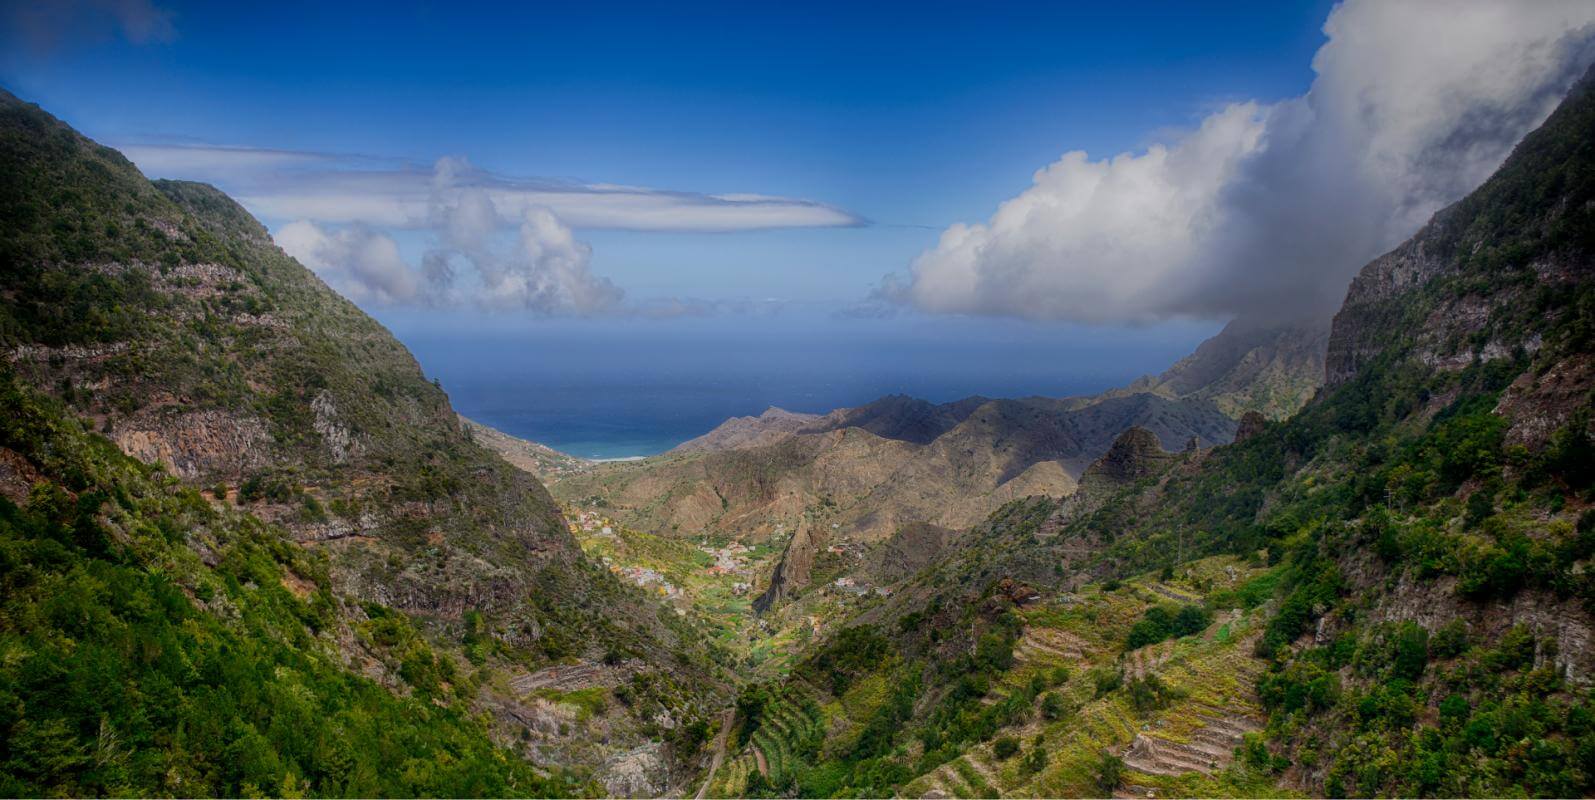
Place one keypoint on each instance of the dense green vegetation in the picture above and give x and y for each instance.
(129, 665)
(161, 315)
(1165, 622)
(1408, 491)
(1396, 553)
(1441, 499)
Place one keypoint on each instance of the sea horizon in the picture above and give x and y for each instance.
(614, 389)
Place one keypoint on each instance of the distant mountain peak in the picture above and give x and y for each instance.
(1270, 367)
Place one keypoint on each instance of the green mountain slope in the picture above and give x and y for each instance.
(1272, 369)
(1410, 570)
(162, 316)
(151, 643)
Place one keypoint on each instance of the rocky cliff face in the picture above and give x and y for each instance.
(1251, 424)
(1490, 276)
(1134, 455)
(793, 571)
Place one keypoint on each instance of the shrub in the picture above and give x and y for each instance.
(1150, 693)
(1162, 622)
(1191, 620)
(1005, 747)
(1052, 706)
(1035, 761)
(1105, 680)
(1450, 641)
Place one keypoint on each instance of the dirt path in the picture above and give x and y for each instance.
(719, 750)
(758, 758)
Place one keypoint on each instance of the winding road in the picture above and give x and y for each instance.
(726, 719)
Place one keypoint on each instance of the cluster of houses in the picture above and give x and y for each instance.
(591, 522)
(857, 588)
(648, 578)
(852, 550)
(731, 560)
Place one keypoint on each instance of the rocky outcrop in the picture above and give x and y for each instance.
(1363, 327)
(575, 677)
(1475, 283)
(1134, 455)
(17, 476)
(640, 772)
(1540, 404)
(335, 436)
(197, 444)
(793, 571)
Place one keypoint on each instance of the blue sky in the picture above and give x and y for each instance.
(983, 198)
(911, 116)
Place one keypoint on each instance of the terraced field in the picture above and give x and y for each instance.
(1182, 744)
(793, 724)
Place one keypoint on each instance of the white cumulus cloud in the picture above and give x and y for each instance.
(1269, 209)
(541, 267)
(363, 264)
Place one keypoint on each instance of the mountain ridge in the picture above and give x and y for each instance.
(1386, 593)
(162, 314)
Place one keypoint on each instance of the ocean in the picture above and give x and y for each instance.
(607, 389)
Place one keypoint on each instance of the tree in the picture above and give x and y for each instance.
(1107, 774)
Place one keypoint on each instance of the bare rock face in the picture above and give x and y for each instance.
(1540, 404)
(1479, 282)
(1250, 425)
(198, 443)
(1360, 330)
(640, 772)
(340, 443)
(17, 476)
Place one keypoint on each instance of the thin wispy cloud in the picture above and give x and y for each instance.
(1269, 208)
(332, 188)
(497, 243)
